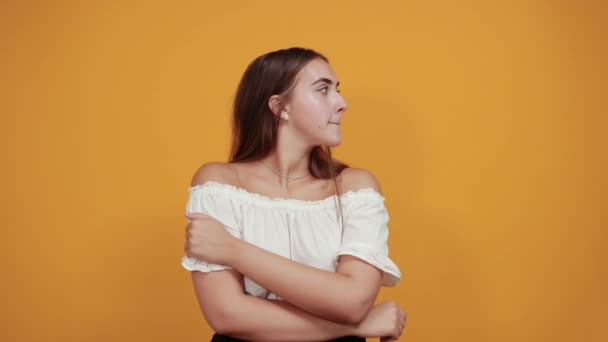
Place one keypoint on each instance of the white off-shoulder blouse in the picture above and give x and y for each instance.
(308, 232)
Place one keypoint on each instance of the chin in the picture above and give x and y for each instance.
(334, 143)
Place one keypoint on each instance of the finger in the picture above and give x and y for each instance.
(187, 251)
(194, 216)
(388, 338)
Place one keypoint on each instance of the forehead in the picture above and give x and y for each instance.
(314, 70)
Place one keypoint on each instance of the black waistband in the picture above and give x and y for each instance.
(223, 338)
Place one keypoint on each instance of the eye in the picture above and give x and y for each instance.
(324, 89)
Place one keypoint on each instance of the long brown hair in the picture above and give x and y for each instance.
(255, 127)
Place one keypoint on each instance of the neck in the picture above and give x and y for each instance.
(290, 161)
(285, 171)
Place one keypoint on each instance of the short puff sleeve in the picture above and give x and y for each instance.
(365, 233)
(212, 201)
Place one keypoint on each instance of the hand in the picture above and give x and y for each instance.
(386, 320)
(207, 239)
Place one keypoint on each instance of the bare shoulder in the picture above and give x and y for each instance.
(211, 171)
(353, 179)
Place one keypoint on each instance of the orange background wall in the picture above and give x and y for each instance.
(483, 121)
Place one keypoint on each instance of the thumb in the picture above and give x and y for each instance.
(194, 216)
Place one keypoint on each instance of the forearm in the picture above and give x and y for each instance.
(258, 319)
(326, 294)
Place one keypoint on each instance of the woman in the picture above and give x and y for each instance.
(294, 242)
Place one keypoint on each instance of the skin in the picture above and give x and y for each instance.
(335, 303)
(315, 112)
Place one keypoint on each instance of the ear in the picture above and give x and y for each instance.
(277, 105)
(274, 103)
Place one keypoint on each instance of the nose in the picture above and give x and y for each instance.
(343, 105)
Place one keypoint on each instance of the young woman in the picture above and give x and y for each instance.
(286, 243)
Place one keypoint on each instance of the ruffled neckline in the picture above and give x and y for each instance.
(259, 198)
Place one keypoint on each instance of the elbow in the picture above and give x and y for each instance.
(356, 313)
(221, 321)
(351, 319)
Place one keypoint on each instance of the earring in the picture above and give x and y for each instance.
(284, 116)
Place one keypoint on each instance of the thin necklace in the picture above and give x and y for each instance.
(276, 173)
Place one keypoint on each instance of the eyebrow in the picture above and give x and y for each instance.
(325, 80)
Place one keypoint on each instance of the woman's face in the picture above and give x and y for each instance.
(315, 107)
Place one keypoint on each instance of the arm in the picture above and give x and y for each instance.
(344, 296)
(229, 311)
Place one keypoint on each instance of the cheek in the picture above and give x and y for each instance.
(313, 110)
(322, 111)
(317, 118)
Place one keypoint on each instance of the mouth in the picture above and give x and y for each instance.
(335, 123)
